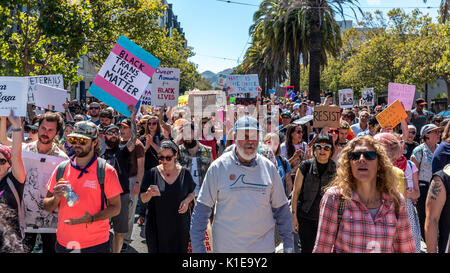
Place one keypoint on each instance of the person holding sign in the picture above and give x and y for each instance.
(12, 175)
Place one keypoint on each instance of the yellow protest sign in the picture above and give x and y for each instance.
(183, 100)
(392, 115)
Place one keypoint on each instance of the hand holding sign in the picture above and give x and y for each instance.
(16, 122)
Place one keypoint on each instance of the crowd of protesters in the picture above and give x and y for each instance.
(257, 178)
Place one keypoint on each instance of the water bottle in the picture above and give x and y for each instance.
(71, 197)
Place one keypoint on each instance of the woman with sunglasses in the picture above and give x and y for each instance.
(312, 175)
(294, 148)
(12, 174)
(362, 210)
(168, 189)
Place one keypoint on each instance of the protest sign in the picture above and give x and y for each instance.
(146, 99)
(221, 81)
(346, 98)
(13, 95)
(39, 168)
(183, 100)
(326, 116)
(241, 84)
(165, 87)
(289, 91)
(204, 103)
(367, 97)
(50, 98)
(392, 115)
(48, 80)
(402, 92)
(124, 76)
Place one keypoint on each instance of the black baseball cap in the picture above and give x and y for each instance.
(421, 101)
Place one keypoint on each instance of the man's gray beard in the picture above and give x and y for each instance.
(242, 153)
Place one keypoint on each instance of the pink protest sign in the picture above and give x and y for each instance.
(402, 92)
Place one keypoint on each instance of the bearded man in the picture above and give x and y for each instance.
(249, 197)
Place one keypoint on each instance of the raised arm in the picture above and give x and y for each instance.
(17, 166)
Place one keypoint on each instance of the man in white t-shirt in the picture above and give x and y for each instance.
(249, 198)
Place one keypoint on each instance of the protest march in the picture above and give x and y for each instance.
(237, 168)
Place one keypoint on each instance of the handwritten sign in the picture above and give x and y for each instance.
(49, 80)
(165, 87)
(346, 98)
(241, 84)
(221, 81)
(392, 115)
(50, 98)
(124, 76)
(146, 99)
(402, 92)
(326, 116)
(289, 91)
(204, 103)
(183, 100)
(367, 98)
(13, 95)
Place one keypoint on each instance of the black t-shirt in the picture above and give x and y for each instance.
(409, 149)
(7, 197)
(119, 158)
(151, 156)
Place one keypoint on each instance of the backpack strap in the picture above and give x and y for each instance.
(61, 169)
(20, 207)
(101, 166)
(341, 208)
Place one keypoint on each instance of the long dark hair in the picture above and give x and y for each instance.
(157, 136)
(290, 148)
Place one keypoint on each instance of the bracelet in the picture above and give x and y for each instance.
(16, 129)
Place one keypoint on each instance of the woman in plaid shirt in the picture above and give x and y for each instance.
(374, 218)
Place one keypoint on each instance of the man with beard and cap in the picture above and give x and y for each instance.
(49, 125)
(119, 156)
(194, 156)
(83, 227)
(248, 196)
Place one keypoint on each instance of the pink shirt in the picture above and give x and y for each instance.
(358, 232)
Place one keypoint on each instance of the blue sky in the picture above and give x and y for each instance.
(218, 31)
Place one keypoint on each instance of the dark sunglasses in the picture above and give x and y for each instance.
(112, 132)
(152, 123)
(94, 108)
(333, 131)
(326, 147)
(34, 131)
(3, 161)
(299, 132)
(412, 132)
(369, 155)
(74, 140)
(167, 158)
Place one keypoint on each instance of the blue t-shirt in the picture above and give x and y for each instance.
(441, 157)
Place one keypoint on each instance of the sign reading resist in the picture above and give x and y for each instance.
(326, 116)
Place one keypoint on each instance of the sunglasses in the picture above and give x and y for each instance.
(333, 131)
(167, 158)
(152, 123)
(412, 132)
(94, 108)
(3, 161)
(369, 155)
(74, 141)
(299, 132)
(34, 131)
(112, 132)
(326, 147)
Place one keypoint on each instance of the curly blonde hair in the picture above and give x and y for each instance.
(386, 183)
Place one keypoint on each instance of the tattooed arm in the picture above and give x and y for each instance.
(435, 202)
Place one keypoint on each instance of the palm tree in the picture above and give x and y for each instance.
(445, 8)
(317, 9)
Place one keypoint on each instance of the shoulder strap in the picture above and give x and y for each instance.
(340, 213)
(61, 169)
(101, 166)
(20, 206)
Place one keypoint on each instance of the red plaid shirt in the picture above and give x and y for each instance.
(358, 233)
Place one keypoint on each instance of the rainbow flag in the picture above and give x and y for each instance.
(124, 76)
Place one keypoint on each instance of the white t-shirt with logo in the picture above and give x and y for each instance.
(243, 198)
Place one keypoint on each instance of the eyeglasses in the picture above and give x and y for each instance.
(369, 155)
(152, 123)
(326, 147)
(94, 108)
(412, 132)
(112, 132)
(3, 161)
(167, 158)
(74, 141)
(34, 131)
(333, 131)
(299, 132)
